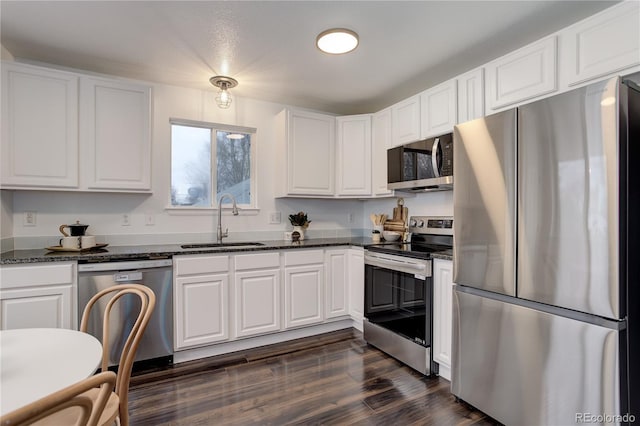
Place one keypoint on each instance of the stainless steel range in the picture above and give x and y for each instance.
(399, 292)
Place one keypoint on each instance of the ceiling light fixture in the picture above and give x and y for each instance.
(337, 41)
(223, 98)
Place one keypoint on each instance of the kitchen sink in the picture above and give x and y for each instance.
(221, 245)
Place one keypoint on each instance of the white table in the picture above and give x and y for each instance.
(35, 362)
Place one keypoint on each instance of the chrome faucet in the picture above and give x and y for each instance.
(234, 210)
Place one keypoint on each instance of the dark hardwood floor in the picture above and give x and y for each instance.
(335, 378)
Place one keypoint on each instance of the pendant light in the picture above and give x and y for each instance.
(223, 98)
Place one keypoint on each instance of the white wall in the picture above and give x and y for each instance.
(421, 204)
(103, 211)
(6, 220)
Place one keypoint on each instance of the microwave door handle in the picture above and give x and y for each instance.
(434, 158)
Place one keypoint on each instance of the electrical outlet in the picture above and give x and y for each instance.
(126, 220)
(275, 217)
(149, 219)
(29, 219)
(350, 217)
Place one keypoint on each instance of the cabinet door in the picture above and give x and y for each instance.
(354, 155)
(311, 154)
(201, 310)
(44, 306)
(336, 284)
(356, 286)
(39, 127)
(471, 95)
(438, 109)
(381, 142)
(602, 44)
(522, 75)
(115, 129)
(303, 295)
(442, 319)
(257, 302)
(38, 295)
(405, 121)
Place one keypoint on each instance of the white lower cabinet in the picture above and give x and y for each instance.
(201, 298)
(442, 315)
(303, 287)
(38, 295)
(336, 283)
(257, 294)
(356, 286)
(226, 299)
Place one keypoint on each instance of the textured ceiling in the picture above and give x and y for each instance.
(268, 46)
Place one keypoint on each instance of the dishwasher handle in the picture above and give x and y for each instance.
(124, 266)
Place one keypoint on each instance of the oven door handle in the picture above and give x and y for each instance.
(376, 261)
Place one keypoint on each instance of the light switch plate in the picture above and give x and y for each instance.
(275, 217)
(30, 218)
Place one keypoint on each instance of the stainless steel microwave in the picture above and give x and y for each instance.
(426, 165)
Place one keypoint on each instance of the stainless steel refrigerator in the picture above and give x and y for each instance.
(546, 264)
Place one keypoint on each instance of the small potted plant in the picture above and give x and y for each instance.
(300, 223)
(375, 236)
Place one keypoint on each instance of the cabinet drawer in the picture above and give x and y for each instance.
(303, 257)
(29, 275)
(257, 261)
(192, 265)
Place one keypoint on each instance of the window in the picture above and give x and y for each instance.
(208, 160)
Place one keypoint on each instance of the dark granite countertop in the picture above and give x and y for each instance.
(114, 253)
(445, 255)
(111, 253)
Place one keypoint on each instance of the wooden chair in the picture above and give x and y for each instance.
(70, 406)
(112, 296)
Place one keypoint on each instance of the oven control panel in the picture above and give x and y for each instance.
(442, 225)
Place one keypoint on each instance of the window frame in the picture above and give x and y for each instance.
(253, 168)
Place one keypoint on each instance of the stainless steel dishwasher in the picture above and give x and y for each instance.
(157, 341)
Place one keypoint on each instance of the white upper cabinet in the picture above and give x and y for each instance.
(115, 122)
(438, 109)
(405, 121)
(522, 75)
(354, 155)
(68, 131)
(471, 95)
(307, 142)
(381, 142)
(602, 44)
(39, 127)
